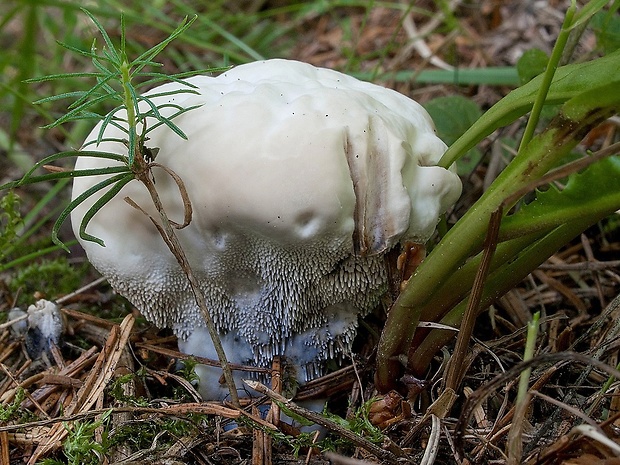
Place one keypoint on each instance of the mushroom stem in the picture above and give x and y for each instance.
(143, 173)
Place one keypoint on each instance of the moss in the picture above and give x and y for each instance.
(52, 278)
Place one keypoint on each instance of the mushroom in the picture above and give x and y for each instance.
(301, 180)
(41, 326)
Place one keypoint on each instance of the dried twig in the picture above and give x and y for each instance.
(202, 360)
(388, 454)
(166, 227)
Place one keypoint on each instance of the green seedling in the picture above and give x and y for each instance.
(81, 446)
(119, 79)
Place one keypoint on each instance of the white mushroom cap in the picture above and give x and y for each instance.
(301, 178)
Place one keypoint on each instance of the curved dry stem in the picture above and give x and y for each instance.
(187, 204)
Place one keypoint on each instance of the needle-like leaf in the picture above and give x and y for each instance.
(113, 54)
(123, 178)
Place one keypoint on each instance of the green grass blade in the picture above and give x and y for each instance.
(34, 255)
(495, 76)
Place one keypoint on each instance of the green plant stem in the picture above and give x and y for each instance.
(458, 285)
(450, 300)
(131, 111)
(515, 443)
(547, 78)
(530, 224)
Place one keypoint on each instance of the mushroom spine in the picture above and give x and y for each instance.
(301, 180)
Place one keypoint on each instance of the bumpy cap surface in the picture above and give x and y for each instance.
(301, 178)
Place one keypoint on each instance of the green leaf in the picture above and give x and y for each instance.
(606, 27)
(532, 63)
(104, 199)
(79, 51)
(60, 155)
(112, 119)
(102, 84)
(168, 121)
(588, 108)
(587, 12)
(453, 116)
(158, 77)
(53, 98)
(71, 174)
(593, 192)
(60, 76)
(79, 112)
